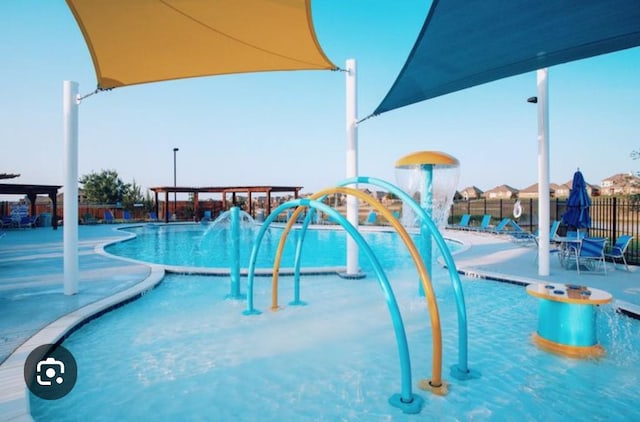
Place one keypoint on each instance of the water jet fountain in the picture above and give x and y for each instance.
(430, 177)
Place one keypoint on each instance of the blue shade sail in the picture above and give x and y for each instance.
(464, 43)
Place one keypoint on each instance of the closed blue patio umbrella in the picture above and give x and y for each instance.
(577, 214)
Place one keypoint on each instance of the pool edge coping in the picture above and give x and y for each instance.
(14, 395)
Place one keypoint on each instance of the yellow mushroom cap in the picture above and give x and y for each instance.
(422, 158)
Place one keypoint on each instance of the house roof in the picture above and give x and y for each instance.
(622, 178)
(569, 184)
(502, 188)
(534, 188)
(472, 189)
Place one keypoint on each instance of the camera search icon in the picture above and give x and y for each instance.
(50, 371)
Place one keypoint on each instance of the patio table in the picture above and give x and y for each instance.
(567, 244)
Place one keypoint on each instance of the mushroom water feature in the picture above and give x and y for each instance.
(430, 177)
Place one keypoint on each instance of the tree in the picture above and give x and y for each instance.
(104, 187)
(132, 196)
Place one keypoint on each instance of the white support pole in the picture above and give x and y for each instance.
(70, 226)
(544, 200)
(352, 163)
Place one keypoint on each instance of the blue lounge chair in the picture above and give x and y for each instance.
(501, 227)
(126, 216)
(7, 221)
(27, 221)
(553, 232)
(371, 218)
(509, 227)
(206, 217)
(484, 224)
(153, 216)
(108, 217)
(618, 250)
(463, 224)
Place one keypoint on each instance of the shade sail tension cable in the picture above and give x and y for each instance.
(96, 91)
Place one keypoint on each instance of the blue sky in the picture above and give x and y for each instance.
(288, 128)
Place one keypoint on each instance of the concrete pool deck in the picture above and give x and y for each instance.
(34, 310)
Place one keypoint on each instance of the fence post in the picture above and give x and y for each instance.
(614, 218)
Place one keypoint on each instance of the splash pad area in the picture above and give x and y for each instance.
(182, 352)
(311, 334)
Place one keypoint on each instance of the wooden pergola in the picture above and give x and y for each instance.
(32, 191)
(224, 190)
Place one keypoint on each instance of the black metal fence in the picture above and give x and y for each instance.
(610, 216)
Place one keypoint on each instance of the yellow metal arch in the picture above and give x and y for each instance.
(436, 384)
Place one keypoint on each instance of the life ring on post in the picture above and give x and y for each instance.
(517, 209)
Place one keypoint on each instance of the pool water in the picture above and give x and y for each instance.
(183, 352)
(196, 245)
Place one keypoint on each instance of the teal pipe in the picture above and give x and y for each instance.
(234, 293)
(461, 370)
(425, 234)
(298, 259)
(408, 402)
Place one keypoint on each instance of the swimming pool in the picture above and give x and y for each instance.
(204, 246)
(182, 352)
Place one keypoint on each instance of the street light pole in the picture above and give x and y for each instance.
(174, 180)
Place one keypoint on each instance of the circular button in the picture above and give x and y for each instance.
(50, 371)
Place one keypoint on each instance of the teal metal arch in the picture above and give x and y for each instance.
(460, 370)
(407, 401)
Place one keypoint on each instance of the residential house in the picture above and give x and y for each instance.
(532, 191)
(592, 190)
(501, 192)
(621, 184)
(561, 191)
(471, 192)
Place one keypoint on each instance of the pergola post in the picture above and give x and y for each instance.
(196, 206)
(54, 211)
(165, 209)
(268, 201)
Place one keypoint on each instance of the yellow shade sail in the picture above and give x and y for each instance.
(139, 41)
